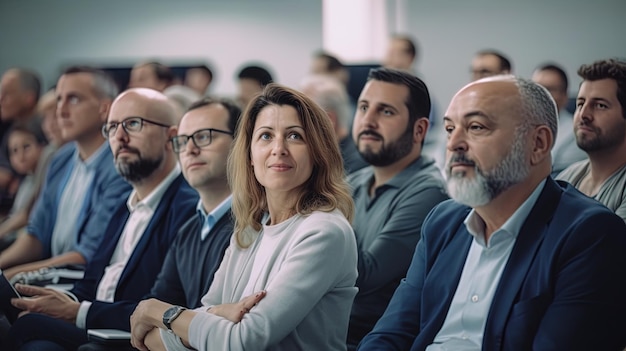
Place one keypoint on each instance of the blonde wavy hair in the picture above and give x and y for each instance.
(325, 190)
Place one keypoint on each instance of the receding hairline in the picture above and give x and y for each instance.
(159, 107)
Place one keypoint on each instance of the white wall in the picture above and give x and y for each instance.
(46, 34)
(569, 32)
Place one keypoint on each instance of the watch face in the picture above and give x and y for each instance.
(171, 312)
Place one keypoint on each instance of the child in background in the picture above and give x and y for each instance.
(28, 156)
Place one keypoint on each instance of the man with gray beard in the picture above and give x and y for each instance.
(394, 194)
(516, 260)
(139, 128)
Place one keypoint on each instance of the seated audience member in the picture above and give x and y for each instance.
(47, 109)
(394, 195)
(600, 129)
(516, 261)
(19, 93)
(326, 64)
(199, 79)
(287, 279)
(151, 75)
(139, 128)
(29, 158)
(251, 80)
(487, 63)
(332, 96)
(565, 151)
(401, 53)
(81, 188)
(182, 96)
(203, 142)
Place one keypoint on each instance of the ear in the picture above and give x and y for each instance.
(105, 107)
(171, 132)
(420, 127)
(542, 140)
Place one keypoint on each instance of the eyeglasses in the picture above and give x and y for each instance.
(130, 125)
(200, 138)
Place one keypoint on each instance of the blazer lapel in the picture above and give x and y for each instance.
(522, 255)
(155, 226)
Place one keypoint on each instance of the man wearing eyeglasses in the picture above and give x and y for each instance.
(81, 188)
(204, 138)
(140, 126)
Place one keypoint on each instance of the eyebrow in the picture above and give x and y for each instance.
(270, 128)
(379, 104)
(594, 99)
(471, 114)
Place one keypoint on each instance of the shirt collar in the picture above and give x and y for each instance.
(95, 159)
(209, 219)
(476, 225)
(403, 176)
(154, 198)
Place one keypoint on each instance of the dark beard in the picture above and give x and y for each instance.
(391, 152)
(137, 171)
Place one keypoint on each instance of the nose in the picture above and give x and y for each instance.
(120, 133)
(583, 113)
(190, 147)
(368, 119)
(279, 147)
(456, 140)
(62, 109)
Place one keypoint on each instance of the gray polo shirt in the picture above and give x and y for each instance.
(387, 228)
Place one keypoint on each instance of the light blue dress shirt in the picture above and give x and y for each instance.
(465, 322)
(210, 219)
(74, 200)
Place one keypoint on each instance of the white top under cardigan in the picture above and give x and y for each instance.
(309, 278)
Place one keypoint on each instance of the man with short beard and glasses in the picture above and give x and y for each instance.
(516, 260)
(394, 194)
(139, 128)
(600, 128)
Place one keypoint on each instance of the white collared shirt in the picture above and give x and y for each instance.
(465, 322)
(141, 212)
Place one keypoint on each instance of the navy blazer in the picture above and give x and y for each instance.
(175, 208)
(185, 277)
(561, 289)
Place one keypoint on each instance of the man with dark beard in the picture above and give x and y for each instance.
(393, 196)
(139, 128)
(516, 261)
(600, 128)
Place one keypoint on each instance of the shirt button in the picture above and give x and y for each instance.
(475, 298)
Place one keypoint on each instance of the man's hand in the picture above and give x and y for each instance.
(234, 312)
(51, 302)
(147, 316)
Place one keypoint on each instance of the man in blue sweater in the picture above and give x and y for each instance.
(204, 138)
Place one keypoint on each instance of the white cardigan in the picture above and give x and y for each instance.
(309, 280)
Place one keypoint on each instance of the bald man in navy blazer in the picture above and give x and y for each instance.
(516, 261)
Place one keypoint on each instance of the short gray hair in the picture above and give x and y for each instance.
(330, 94)
(103, 84)
(538, 106)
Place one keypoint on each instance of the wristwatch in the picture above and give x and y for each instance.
(170, 315)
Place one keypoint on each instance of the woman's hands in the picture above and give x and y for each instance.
(234, 312)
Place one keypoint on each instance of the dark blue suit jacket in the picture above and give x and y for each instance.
(176, 207)
(561, 289)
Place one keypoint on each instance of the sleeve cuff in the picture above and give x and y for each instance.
(81, 316)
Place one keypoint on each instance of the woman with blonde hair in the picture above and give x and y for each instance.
(287, 279)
